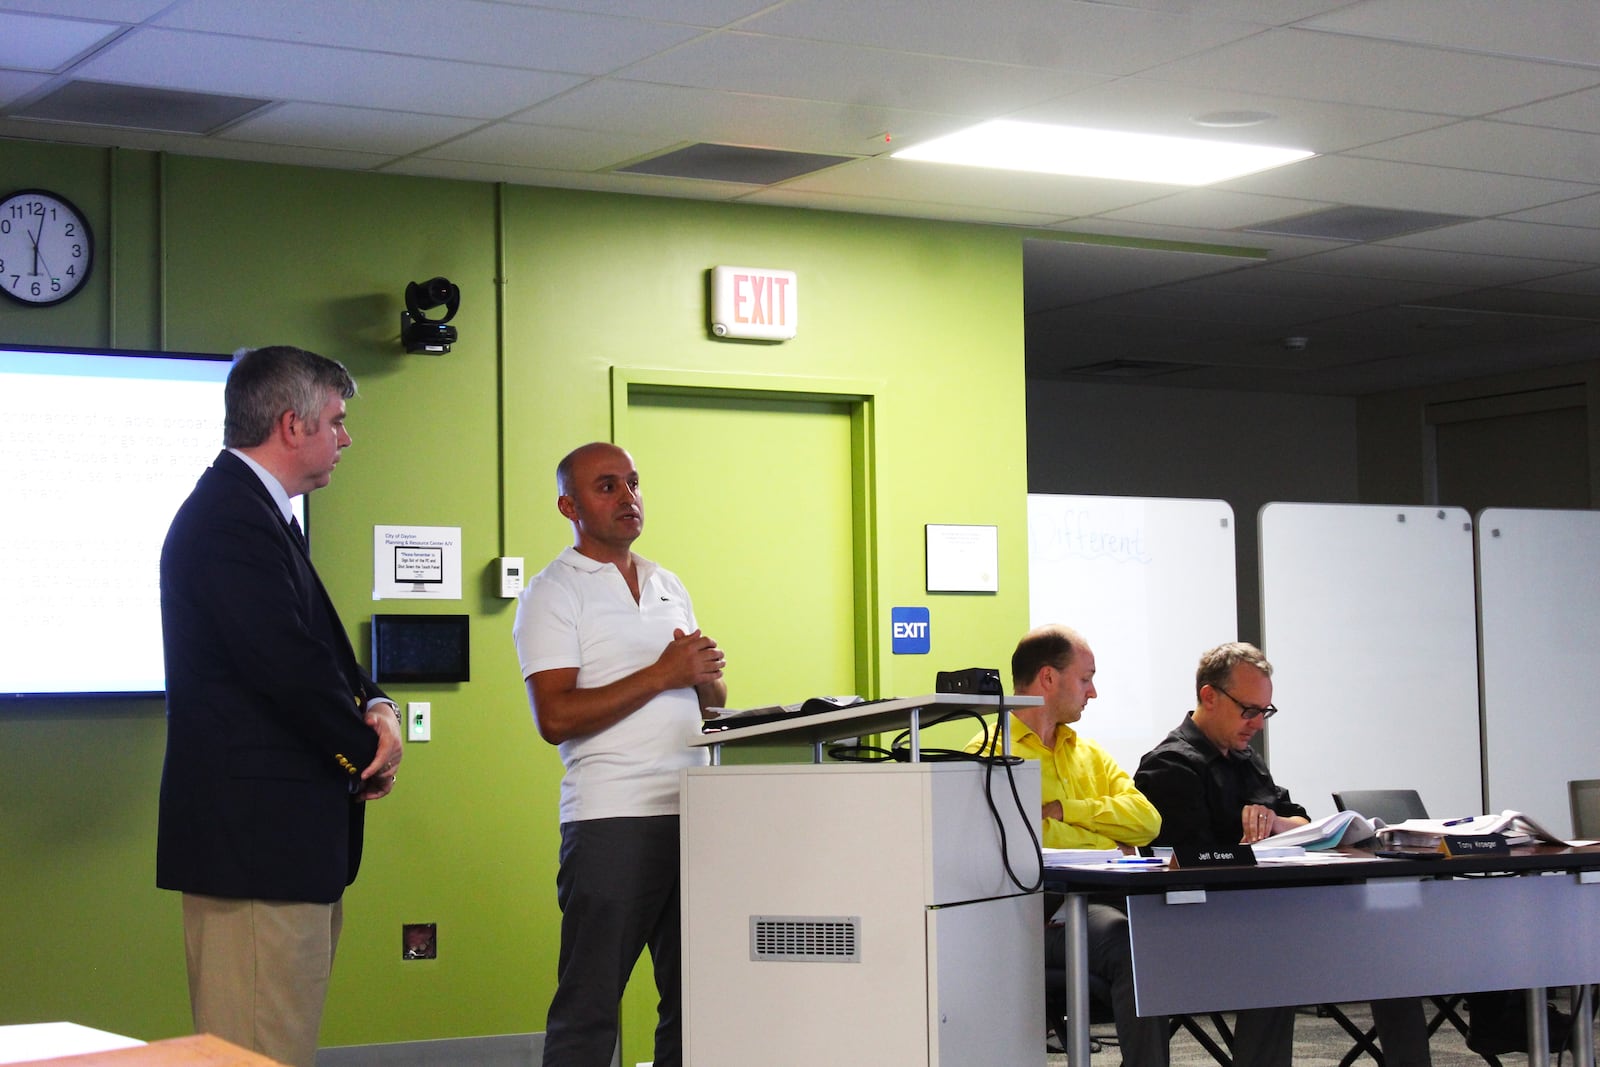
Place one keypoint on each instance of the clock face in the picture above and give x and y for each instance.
(46, 248)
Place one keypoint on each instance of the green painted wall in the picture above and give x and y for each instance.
(558, 288)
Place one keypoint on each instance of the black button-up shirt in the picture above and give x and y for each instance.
(1201, 793)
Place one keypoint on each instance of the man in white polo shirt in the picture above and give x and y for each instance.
(618, 675)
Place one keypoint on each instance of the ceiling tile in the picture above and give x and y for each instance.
(30, 42)
(1105, 38)
(124, 11)
(355, 129)
(1579, 211)
(310, 74)
(1217, 209)
(546, 147)
(565, 179)
(1502, 147)
(1560, 31)
(488, 33)
(1144, 105)
(935, 183)
(1273, 280)
(1349, 70)
(1380, 90)
(1058, 273)
(1532, 240)
(1582, 283)
(850, 74)
(291, 155)
(617, 106)
(1426, 265)
(1275, 246)
(706, 13)
(789, 196)
(14, 85)
(1408, 186)
(1185, 304)
(1574, 111)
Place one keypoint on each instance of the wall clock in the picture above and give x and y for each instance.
(46, 248)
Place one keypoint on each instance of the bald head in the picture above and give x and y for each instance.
(1052, 645)
(599, 494)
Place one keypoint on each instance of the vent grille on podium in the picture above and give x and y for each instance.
(825, 939)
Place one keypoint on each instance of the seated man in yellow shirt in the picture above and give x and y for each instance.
(1088, 802)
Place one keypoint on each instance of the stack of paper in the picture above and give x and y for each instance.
(1066, 857)
(1517, 828)
(1340, 828)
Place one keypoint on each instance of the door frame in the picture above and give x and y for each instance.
(861, 397)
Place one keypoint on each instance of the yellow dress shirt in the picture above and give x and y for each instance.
(1100, 807)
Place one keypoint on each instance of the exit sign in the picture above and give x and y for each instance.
(754, 302)
(910, 631)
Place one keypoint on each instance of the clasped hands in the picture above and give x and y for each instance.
(691, 659)
(378, 778)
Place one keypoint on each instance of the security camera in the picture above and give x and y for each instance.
(418, 333)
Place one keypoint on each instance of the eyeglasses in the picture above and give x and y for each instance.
(1249, 711)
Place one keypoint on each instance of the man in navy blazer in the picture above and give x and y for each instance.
(276, 738)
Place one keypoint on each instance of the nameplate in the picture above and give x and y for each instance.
(1231, 856)
(1475, 845)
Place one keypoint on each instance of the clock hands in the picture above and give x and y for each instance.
(33, 238)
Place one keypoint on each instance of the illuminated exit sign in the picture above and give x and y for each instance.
(752, 302)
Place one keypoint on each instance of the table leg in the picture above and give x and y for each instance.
(1076, 931)
(1538, 1026)
(1583, 1027)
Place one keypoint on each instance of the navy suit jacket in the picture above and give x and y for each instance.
(264, 706)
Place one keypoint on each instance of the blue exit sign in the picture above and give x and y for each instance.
(910, 631)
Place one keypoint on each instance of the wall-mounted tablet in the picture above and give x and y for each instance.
(420, 648)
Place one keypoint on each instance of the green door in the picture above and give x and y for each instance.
(750, 502)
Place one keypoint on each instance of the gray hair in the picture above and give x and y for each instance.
(1217, 664)
(266, 382)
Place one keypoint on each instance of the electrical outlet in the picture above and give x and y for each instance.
(419, 721)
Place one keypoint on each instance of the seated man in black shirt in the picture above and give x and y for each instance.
(1212, 789)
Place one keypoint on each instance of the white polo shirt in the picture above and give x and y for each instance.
(578, 612)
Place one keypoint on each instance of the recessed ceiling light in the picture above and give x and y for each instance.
(1005, 144)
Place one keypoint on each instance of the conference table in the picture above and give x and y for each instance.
(1335, 927)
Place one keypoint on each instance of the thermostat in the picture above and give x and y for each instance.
(510, 576)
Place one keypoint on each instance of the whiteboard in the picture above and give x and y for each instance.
(1369, 619)
(1149, 583)
(1539, 576)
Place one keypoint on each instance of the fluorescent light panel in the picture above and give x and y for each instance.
(1005, 144)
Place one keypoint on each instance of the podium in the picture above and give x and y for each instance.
(861, 913)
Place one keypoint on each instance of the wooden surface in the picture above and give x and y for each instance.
(200, 1050)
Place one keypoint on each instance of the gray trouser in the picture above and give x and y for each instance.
(618, 891)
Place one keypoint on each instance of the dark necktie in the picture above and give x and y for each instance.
(299, 534)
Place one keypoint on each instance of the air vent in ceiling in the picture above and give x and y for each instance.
(136, 107)
(1356, 223)
(732, 163)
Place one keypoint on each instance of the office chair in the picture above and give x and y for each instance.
(1583, 794)
(1392, 806)
(1055, 999)
(1055, 1004)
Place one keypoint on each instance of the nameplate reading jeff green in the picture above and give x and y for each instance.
(1225, 856)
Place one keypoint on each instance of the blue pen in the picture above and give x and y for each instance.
(1139, 861)
(1458, 822)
